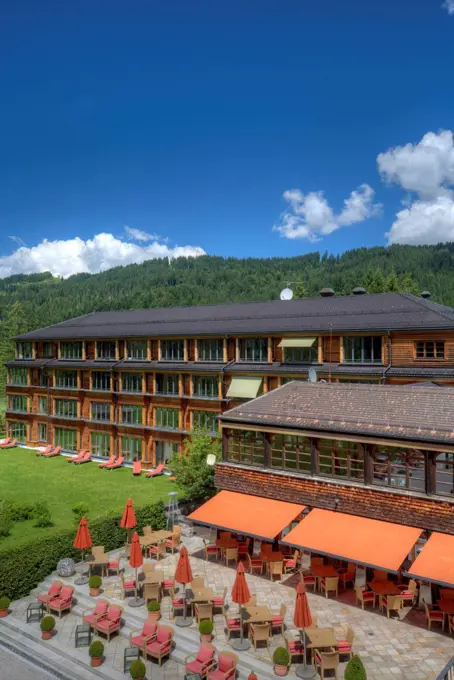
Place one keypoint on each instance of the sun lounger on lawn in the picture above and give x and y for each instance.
(85, 459)
(118, 464)
(108, 463)
(157, 472)
(80, 455)
(5, 442)
(137, 468)
(55, 452)
(45, 451)
(10, 445)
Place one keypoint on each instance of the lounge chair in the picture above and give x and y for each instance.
(201, 663)
(109, 622)
(45, 451)
(108, 463)
(62, 601)
(53, 591)
(5, 442)
(137, 468)
(161, 646)
(80, 455)
(158, 471)
(119, 463)
(86, 458)
(91, 616)
(54, 452)
(138, 638)
(226, 670)
(11, 444)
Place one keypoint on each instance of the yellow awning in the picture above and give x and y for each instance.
(297, 342)
(244, 388)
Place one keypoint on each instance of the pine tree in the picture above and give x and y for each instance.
(300, 291)
(355, 669)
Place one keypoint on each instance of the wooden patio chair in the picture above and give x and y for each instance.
(218, 601)
(391, 603)
(197, 583)
(260, 632)
(346, 645)
(326, 661)
(110, 622)
(62, 602)
(276, 569)
(148, 569)
(278, 619)
(365, 596)
(127, 585)
(151, 591)
(161, 646)
(91, 616)
(254, 563)
(433, 616)
(141, 636)
(409, 593)
(231, 555)
(203, 611)
(210, 549)
(291, 564)
(226, 670)
(200, 664)
(330, 584)
(158, 551)
(173, 543)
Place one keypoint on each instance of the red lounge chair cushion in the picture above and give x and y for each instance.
(290, 563)
(114, 614)
(107, 626)
(101, 608)
(225, 663)
(66, 593)
(130, 584)
(219, 675)
(438, 616)
(211, 549)
(309, 579)
(60, 603)
(168, 584)
(233, 624)
(295, 647)
(407, 594)
(138, 641)
(277, 621)
(344, 646)
(194, 667)
(113, 565)
(53, 591)
(158, 648)
(204, 655)
(218, 601)
(149, 629)
(163, 636)
(177, 603)
(368, 595)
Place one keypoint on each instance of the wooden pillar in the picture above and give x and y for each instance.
(117, 350)
(180, 384)
(220, 394)
(368, 463)
(342, 353)
(320, 350)
(28, 376)
(270, 350)
(383, 349)
(191, 420)
(180, 419)
(144, 383)
(266, 449)
(154, 383)
(237, 349)
(265, 384)
(196, 350)
(58, 350)
(79, 380)
(314, 456)
(159, 350)
(185, 349)
(225, 355)
(84, 350)
(191, 386)
(33, 350)
(149, 350)
(431, 471)
(225, 443)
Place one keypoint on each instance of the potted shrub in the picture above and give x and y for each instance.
(252, 676)
(281, 660)
(355, 669)
(96, 650)
(206, 630)
(137, 670)
(4, 604)
(47, 625)
(94, 584)
(154, 611)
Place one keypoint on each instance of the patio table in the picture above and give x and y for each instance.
(324, 571)
(446, 606)
(384, 588)
(320, 638)
(154, 577)
(103, 563)
(258, 614)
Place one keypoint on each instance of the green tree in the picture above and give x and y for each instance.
(194, 477)
(392, 284)
(300, 290)
(355, 669)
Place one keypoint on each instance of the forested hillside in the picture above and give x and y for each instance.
(36, 300)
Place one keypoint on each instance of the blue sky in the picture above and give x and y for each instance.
(190, 120)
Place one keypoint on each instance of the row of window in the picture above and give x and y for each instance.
(390, 466)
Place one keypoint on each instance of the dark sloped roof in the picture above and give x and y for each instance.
(424, 414)
(385, 311)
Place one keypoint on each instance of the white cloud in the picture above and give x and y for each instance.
(310, 216)
(73, 256)
(142, 236)
(18, 240)
(424, 222)
(448, 5)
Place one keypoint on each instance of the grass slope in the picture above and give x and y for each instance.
(29, 478)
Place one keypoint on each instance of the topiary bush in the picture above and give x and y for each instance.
(47, 624)
(355, 669)
(95, 581)
(206, 627)
(4, 602)
(154, 606)
(42, 515)
(96, 649)
(137, 670)
(79, 510)
(281, 657)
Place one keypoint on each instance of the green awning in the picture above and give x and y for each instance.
(244, 388)
(297, 342)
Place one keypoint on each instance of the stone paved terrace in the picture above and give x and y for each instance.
(391, 649)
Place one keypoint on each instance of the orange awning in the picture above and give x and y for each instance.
(370, 542)
(251, 515)
(435, 562)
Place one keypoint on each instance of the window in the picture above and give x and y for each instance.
(100, 380)
(399, 468)
(42, 432)
(18, 431)
(246, 447)
(444, 475)
(137, 349)
(363, 350)
(24, 350)
(301, 355)
(205, 420)
(105, 350)
(100, 444)
(167, 383)
(210, 350)
(66, 379)
(164, 451)
(340, 459)
(253, 349)
(430, 350)
(131, 382)
(172, 350)
(43, 378)
(67, 439)
(48, 350)
(289, 452)
(131, 448)
(18, 402)
(100, 411)
(70, 350)
(205, 386)
(42, 405)
(131, 414)
(167, 417)
(65, 408)
(19, 376)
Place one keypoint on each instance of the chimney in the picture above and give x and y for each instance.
(425, 294)
(359, 291)
(327, 292)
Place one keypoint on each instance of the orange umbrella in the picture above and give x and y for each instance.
(183, 574)
(128, 521)
(135, 558)
(82, 542)
(241, 595)
(302, 618)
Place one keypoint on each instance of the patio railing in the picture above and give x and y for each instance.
(448, 671)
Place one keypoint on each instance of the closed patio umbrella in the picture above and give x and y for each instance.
(136, 561)
(241, 595)
(82, 542)
(128, 521)
(302, 619)
(183, 575)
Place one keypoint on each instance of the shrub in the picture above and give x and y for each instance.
(206, 627)
(22, 511)
(152, 515)
(79, 510)
(42, 515)
(355, 669)
(281, 657)
(137, 670)
(154, 606)
(47, 624)
(6, 522)
(95, 581)
(4, 602)
(96, 649)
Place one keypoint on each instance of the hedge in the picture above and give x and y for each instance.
(23, 568)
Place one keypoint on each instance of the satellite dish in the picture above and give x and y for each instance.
(286, 294)
(211, 459)
(312, 375)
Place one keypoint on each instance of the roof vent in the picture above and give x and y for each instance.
(359, 291)
(327, 292)
(425, 294)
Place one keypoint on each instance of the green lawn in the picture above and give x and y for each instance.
(30, 478)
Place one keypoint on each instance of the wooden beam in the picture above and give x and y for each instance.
(270, 350)
(266, 449)
(185, 349)
(225, 355)
(320, 350)
(149, 350)
(220, 394)
(342, 351)
(314, 456)
(225, 443)
(159, 350)
(84, 351)
(431, 472)
(237, 349)
(196, 350)
(180, 384)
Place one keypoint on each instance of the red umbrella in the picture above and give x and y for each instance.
(241, 595)
(183, 574)
(128, 521)
(82, 542)
(302, 617)
(135, 558)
